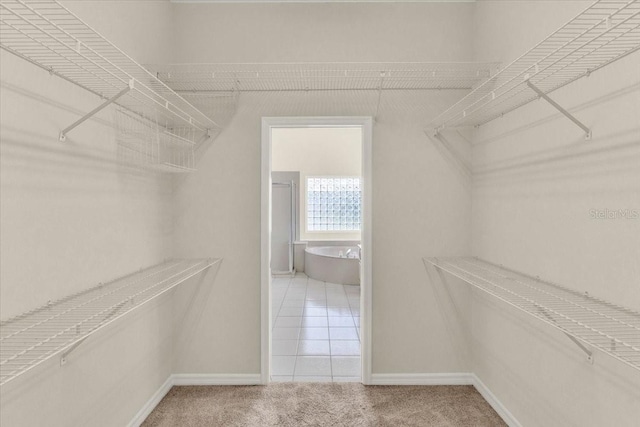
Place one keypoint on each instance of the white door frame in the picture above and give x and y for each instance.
(268, 123)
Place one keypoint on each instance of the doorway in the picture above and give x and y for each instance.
(324, 317)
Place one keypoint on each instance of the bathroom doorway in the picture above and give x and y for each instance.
(316, 249)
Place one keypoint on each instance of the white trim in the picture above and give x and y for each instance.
(191, 379)
(461, 378)
(455, 378)
(366, 242)
(151, 404)
(449, 379)
(216, 379)
(492, 400)
(366, 123)
(265, 251)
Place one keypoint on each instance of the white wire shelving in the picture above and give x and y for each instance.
(142, 142)
(588, 321)
(48, 35)
(605, 32)
(283, 77)
(59, 327)
(365, 86)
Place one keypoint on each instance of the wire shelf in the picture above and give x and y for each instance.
(606, 31)
(32, 338)
(142, 142)
(48, 35)
(610, 328)
(322, 76)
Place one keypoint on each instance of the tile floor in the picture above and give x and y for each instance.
(316, 331)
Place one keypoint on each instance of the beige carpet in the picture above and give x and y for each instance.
(323, 404)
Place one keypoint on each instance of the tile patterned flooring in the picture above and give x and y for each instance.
(316, 331)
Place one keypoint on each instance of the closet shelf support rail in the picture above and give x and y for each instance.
(580, 345)
(63, 133)
(557, 106)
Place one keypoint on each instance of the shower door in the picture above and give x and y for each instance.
(283, 220)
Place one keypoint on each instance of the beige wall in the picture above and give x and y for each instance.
(70, 218)
(219, 214)
(421, 204)
(317, 152)
(143, 29)
(322, 32)
(536, 181)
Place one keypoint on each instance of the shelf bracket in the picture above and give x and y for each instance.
(562, 110)
(437, 138)
(204, 137)
(581, 346)
(63, 135)
(68, 351)
(63, 358)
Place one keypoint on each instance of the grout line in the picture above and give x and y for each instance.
(301, 327)
(295, 362)
(326, 307)
(275, 320)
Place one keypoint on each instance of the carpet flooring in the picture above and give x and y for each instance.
(323, 404)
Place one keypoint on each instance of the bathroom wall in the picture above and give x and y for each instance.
(536, 184)
(70, 218)
(421, 201)
(317, 152)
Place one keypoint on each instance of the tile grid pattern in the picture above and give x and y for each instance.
(315, 331)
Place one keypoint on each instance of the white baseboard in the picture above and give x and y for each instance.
(456, 378)
(148, 407)
(216, 379)
(191, 379)
(495, 403)
(461, 378)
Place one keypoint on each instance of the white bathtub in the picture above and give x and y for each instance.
(333, 264)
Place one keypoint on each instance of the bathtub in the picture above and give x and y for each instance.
(332, 264)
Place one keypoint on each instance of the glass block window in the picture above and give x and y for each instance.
(333, 203)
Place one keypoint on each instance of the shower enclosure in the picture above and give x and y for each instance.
(283, 226)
